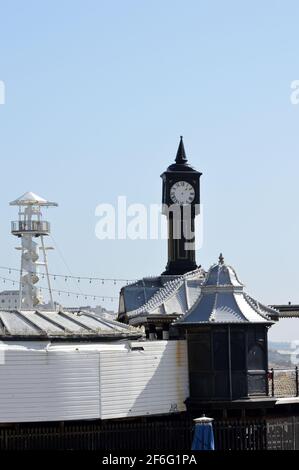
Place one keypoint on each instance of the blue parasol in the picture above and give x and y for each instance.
(203, 434)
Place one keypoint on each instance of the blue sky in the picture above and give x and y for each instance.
(97, 94)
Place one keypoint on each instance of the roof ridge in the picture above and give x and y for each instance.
(169, 288)
(260, 306)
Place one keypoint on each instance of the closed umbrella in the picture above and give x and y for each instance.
(203, 434)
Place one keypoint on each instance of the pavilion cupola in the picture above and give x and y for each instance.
(226, 332)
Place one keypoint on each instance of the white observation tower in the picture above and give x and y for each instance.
(31, 228)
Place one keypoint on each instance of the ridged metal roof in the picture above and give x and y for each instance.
(175, 297)
(138, 293)
(62, 325)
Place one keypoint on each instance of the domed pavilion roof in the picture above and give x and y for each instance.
(223, 300)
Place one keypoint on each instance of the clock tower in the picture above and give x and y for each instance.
(181, 199)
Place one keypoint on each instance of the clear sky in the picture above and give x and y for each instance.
(97, 94)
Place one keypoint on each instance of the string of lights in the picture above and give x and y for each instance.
(67, 277)
(62, 291)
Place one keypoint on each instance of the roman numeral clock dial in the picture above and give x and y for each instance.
(182, 193)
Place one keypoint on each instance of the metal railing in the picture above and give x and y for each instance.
(283, 382)
(160, 434)
(33, 226)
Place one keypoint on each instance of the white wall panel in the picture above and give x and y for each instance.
(44, 382)
(152, 381)
(47, 385)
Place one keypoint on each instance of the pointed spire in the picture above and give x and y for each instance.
(221, 259)
(181, 154)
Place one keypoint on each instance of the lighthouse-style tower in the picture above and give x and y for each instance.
(31, 228)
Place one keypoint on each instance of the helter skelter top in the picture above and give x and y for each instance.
(31, 199)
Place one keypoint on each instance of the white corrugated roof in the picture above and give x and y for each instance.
(61, 325)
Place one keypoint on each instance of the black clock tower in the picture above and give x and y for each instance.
(181, 199)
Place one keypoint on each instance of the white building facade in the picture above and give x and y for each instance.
(44, 382)
(62, 366)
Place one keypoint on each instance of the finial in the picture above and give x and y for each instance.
(181, 154)
(221, 259)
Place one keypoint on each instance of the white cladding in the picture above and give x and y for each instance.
(144, 382)
(45, 382)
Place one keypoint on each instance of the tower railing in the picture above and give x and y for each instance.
(34, 226)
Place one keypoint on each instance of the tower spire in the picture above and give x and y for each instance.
(181, 154)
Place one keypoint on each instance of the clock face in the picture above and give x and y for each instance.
(182, 193)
